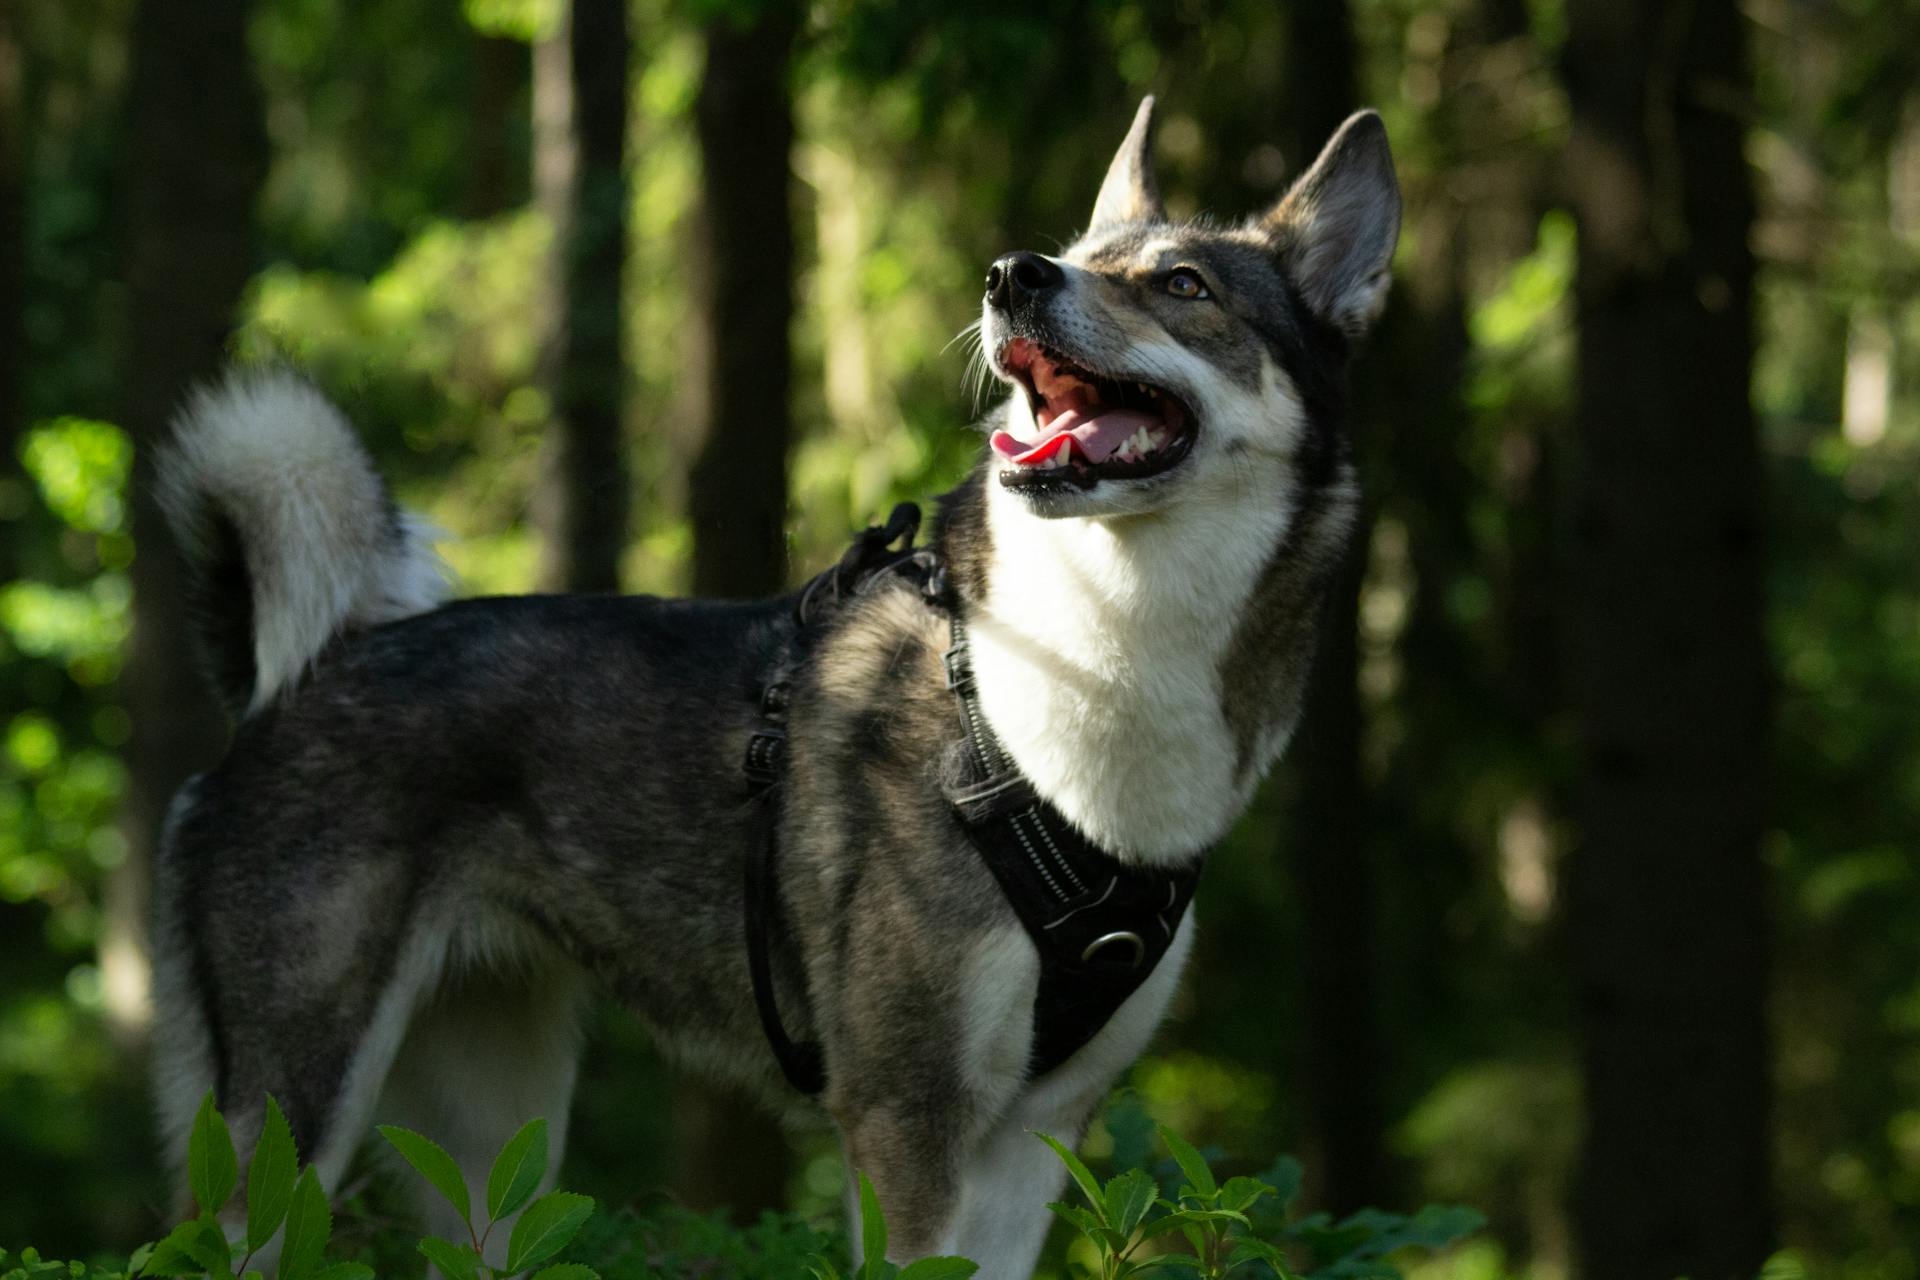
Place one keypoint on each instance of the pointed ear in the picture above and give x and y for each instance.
(1336, 227)
(1130, 194)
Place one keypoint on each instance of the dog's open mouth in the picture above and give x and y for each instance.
(1092, 428)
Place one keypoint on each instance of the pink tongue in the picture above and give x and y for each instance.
(1094, 438)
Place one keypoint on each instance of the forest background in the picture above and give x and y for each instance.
(1587, 892)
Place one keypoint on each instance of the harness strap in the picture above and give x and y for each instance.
(1101, 925)
(872, 556)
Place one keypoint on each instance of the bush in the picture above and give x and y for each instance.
(1169, 1214)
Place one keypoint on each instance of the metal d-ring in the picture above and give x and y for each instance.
(1108, 939)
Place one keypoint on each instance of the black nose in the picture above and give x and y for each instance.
(1014, 277)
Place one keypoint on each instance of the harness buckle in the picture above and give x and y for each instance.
(1121, 937)
(773, 700)
(766, 756)
(959, 666)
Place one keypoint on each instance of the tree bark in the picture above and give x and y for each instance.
(731, 1154)
(13, 481)
(737, 492)
(196, 154)
(1326, 837)
(580, 131)
(500, 74)
(1666, 655)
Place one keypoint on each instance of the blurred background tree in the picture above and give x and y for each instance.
(1585, 894)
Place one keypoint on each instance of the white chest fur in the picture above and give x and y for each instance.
(1098, 654)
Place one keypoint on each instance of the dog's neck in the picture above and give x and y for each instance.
(1099, 646)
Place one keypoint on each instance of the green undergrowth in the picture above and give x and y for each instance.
(1161, 1206)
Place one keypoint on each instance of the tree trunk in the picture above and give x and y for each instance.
(500, 74)
(1326, 837)
(737, 492)
(731, 1154)
(580, 132)
(14, 495)
(1666, 655)
(196, 154)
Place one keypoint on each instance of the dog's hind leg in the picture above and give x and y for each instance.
(185, 1062)
(491, 1049)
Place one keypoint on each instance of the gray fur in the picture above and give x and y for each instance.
(1130, 192)
(418, 854)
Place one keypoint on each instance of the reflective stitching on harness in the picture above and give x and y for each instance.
(1032, 854)
(1060, 860)
(1088, 906)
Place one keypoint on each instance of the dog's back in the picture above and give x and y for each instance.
(434, 819)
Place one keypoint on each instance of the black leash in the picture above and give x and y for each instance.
(1100, 924)
(872, 555)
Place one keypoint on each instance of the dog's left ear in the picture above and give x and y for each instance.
(1130, 193)
(1336, 227)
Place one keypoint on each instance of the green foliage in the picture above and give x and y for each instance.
(296, 1211)
(1129, 1220)
(873, 1250)
(542, 1230)
(1237, 1227)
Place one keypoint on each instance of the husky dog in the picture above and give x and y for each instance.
(440, 824)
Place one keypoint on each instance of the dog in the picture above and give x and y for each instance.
(442, 823)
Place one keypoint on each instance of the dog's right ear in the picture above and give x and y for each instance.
(1336, 227)
(1130, 193)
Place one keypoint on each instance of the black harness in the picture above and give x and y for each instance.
(1099, 924)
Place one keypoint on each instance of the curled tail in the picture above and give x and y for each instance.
(289, 534)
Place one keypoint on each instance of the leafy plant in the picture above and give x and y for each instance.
(545, 1227)
(1238, 1227)
(277, 1203)
(873, 1247)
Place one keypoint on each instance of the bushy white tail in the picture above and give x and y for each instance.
(290, 536)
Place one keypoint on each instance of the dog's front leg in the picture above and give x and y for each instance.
(911, 1154)
(1011, 1175)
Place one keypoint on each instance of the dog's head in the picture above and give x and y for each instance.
(1152, 361)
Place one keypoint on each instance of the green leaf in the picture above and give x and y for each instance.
(1249, 1250)
(567, 1271)
(455, 1261)
(212, 1168)
(937, 1269)
(309, 1223)
(1284, 1176)
(1128, 1197)
(207, 1244)
(1090, 1226)
(431, 1162)
(1240, 1193)
(1089, 1185)
(517, 1170)
(546, 1227)
(873, 1226)
(173, 1255)
(270, 1177)
(1178, 1261)
(1199, 1176)
(1439, 1225)
(1161, 1226)
(343, 1271)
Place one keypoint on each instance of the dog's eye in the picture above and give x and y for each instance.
(1186, 284)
